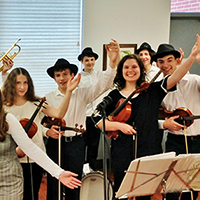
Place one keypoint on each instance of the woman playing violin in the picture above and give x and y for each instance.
(19, 99)
(144, 105)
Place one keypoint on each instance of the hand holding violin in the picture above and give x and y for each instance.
(53, 132)
(171, 124)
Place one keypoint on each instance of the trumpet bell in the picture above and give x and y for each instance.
(7, 57)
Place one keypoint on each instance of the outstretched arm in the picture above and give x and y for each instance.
(185, 66)
(60, 112)
(39, 156)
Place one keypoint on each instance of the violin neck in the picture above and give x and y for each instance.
(29, 123)
(66, 128)
(155, 77)
(190, 117)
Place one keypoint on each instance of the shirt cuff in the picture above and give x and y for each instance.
(160, 124)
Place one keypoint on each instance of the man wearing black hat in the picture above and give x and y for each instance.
(145, 52)
(89, 77)
(187, 95)
(72, 143)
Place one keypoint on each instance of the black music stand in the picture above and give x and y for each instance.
(161, 173)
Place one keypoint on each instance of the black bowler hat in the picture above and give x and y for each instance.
(62, 64)
(143, 46)
(164, 50)
(87, 52)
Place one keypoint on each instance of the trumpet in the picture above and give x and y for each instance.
(5, 55)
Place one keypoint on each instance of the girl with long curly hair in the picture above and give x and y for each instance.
(19, 99)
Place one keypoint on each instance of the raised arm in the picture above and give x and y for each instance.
(60, 112)
(185, 66)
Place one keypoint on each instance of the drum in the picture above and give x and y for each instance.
(92, 187)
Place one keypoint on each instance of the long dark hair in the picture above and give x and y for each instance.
(9, 91)
(119, 80)
(3, 122)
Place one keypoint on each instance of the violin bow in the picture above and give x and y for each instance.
(59, 162)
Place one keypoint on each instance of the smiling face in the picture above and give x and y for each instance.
(145, 57)
(21, 85)
(61, 78)
(88, 63)
(131, 70)
(167, 64)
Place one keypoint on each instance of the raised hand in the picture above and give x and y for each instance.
(7, 64)
(73, 83)
(196, 48)
(113, 52)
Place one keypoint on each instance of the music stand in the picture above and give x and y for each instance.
(161, 173)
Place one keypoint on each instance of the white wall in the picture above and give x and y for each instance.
(128, 21)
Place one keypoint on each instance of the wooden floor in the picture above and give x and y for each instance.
(43, 191)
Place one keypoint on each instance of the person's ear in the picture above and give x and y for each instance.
(178, 60)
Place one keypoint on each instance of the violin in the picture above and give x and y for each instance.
(123, 110)
(185, 116)
(29, 126)
(48, 122)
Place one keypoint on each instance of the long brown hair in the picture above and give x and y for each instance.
(3, 122)
(9, 91)
(119, 80)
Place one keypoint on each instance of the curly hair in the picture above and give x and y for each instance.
(9, 91)
(119, 80)
(3, 122)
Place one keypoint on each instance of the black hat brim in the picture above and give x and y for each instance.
(175, 53)
(72, 67)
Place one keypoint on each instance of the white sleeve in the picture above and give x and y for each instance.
(30, 149)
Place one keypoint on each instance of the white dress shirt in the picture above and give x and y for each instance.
(76, 113)
(187, 95)
(91, 78)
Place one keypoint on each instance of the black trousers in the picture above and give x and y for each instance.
(36, 173)
(72, 159)
(177, 143)
(91, 137)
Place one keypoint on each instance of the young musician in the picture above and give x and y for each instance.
(89, 77)
(187, 95)
(19, 99)
(145, 52)
(144, 112)
(73, 146)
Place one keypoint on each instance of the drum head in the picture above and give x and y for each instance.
(92, 187)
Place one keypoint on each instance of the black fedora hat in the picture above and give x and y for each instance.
(143, 46)
(87, 51)
(61, 63)
(164, 50)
